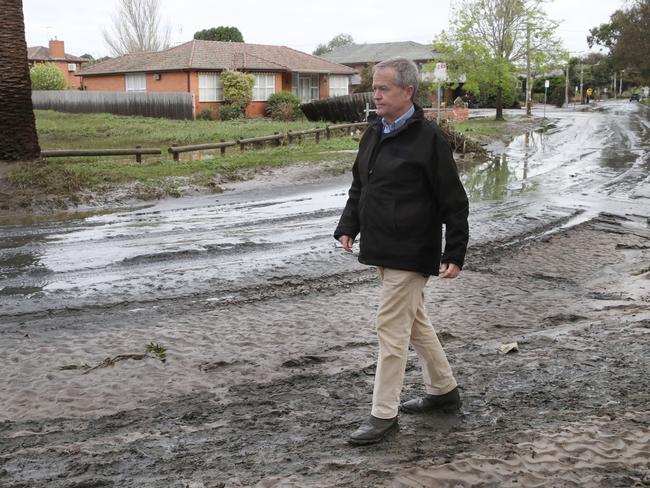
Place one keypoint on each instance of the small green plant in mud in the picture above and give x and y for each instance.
(153, 350)
(157, 349)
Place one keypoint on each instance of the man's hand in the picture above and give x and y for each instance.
(346, 242)
(449, 270)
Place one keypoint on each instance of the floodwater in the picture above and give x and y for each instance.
(577, 165)
(269, 332)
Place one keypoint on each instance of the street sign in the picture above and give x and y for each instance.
(547, 83)
(440, 73)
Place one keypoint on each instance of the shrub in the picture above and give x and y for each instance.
(231, 112)
(366, 79)
(206, 114)
(557, 96)
(423, 95)
(46, 76)
(283, 106)
(237, 88)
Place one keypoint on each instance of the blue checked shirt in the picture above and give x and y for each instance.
(388, 128)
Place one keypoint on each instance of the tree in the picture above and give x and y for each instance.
(366, 79)
(490, 40)
(338, 40)
(18, 137)
(626, 37)
(221, 33)
(321, 49)
(137, 28)
(89, 60)
(46, 76)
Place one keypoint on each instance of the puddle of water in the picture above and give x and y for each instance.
(31, 219)
(20, 290)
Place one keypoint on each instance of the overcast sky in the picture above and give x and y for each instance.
(298, 24)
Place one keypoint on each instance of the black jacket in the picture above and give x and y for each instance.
(405, 186)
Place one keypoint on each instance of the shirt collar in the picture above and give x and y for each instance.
(399, 122)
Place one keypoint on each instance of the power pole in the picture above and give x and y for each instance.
(581, 81)
(620, 90)
(614, 90)
(566, 85)
(529, 80)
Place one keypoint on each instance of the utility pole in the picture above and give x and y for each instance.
(581, 81)
(620, 90)
(614, 88)
(529, 92)
(566, 85)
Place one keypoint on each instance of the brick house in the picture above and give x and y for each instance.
(55, 54)
(194, 67)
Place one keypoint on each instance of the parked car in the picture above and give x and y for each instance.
(635, 97)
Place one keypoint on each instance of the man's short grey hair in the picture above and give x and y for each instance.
(406, 72)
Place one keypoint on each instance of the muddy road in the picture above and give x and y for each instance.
(268, 327)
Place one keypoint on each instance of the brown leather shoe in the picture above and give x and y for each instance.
(373, 430)
(447, 403)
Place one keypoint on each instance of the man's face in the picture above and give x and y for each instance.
(391, 100)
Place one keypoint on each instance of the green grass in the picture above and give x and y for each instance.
(483, 126)
(57, 130)
(67, 176)
(158, 176)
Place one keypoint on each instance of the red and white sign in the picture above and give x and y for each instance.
(440, 73)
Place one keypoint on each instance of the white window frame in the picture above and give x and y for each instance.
(72, 67)
(210, 87)
(136, 82)
(264, 86)
(314, 85)
(339, 85)
(315, 88)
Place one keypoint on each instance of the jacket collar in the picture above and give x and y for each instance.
(416, 117)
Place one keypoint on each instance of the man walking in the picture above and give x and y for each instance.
(405, 186)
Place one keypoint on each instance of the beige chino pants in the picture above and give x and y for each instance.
(401, 319)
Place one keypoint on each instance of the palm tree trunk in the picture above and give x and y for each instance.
(18, 138)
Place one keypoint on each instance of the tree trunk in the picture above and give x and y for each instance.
(18, 138)
(499, 104)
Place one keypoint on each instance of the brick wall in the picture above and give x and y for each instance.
(456, 114)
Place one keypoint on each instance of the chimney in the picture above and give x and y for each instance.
(56, 49)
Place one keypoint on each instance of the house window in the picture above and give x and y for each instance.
(72, 67)
(338, 85)
(264, 86)
(295, 84)
(210, 87)
(315, 88)
(136, 83)
(305, 87)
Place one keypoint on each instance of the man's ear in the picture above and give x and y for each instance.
(410, 90)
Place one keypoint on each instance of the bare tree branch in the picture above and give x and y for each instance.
(137, 27)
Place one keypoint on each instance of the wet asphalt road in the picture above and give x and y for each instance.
(583, 163)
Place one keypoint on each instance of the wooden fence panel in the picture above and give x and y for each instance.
(165, 105)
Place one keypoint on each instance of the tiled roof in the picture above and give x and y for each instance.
(374, 53)
(215, 55)
(41, 53)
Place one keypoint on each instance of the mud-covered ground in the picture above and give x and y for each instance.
(271, 347)
(569, 409)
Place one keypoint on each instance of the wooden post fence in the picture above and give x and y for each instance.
(138, 152)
